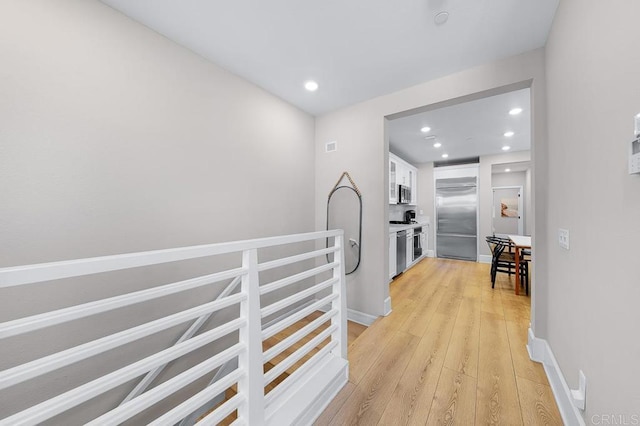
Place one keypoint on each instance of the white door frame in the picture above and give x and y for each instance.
(520, 207)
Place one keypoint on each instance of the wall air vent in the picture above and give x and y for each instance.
(457, 162)
(331, 146)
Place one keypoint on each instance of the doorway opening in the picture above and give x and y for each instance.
(487, 131)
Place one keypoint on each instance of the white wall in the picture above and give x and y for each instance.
(363, 151)
(593, 93)
(528, 208)
(508, 179)
(114, 139)
(514, 179)
(485, 192)
(426, 197)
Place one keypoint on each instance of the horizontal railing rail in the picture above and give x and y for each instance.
(48, 319)
(282, 325)
(61, 359)
(30, 274)
(299, 295)
(297, 336)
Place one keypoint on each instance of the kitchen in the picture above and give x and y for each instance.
(407, 236)
(445, 168)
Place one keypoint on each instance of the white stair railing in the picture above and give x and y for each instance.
(191, 331)
(250, 403)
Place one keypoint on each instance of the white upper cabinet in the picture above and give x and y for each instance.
(402, 173)
(414, 186)
(393, 182)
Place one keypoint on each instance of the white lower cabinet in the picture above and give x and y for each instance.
(393, 248)
(409, 247)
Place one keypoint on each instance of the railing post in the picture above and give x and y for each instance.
(340, 288)
(252, 383)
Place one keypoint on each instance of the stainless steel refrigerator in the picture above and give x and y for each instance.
(456, 218)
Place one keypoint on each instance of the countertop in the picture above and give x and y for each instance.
(396, 228)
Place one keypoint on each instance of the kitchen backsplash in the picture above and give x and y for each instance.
(396, 212)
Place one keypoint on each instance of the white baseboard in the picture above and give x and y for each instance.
(431, 253)
(484, 258)
(387, 306)
(355, 316)
(361, 317)
(540, 351)
(536, 347)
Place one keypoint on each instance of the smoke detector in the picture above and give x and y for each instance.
(441, 18)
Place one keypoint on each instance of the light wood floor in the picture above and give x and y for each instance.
(451, 352)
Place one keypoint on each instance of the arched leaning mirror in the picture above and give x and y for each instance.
(344, 211)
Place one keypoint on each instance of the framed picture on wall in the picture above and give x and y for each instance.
(509, 207)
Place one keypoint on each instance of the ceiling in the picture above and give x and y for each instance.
(355, 50)
(469, 129)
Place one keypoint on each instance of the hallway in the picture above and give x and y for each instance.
(451, 352)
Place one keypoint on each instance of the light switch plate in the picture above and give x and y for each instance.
(563, 238)
(634, 148)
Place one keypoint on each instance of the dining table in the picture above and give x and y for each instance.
(520, 242)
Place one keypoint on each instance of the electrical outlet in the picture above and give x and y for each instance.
(563, 238)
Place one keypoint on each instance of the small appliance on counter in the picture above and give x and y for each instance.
(410, 216)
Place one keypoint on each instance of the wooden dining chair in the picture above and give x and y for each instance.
(503, 260)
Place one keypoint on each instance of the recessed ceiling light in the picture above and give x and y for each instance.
(311, 86)
(508, 134)
(507, 170)
(506, 148)
(441, 18)
(515, 111)
(437, 145)
(445, 155)
(425, 129)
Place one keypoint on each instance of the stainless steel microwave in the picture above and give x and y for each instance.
(404, 194)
